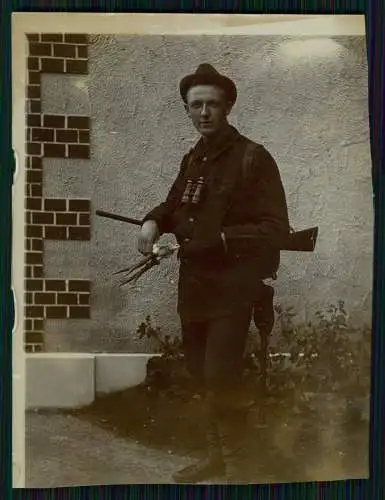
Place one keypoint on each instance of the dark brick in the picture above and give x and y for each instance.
(38, 324)
(28, 162)
(79, 205)
(34, 285)
(33, 148)
(56, 204)
(32, 347)
(78, 151)
(28, 271)
(55, 312)
(52, 65)
(67, 136)
(55, 285)
(34, 77)
(37, 245)
(79, 312)
(67, 298)
(32, 37)
(83, 51)
(33, 203)
(42, 134)
(54, 151)
(84, 136)
(79, 286)
(28, 298)
(38, 271)
(56, 121)
(55, 233)
(37, 190)
(36, 162)
(34, 337)
(33, 63)
(64, 50)
(79, 233)
(28, 134)
(35, 106)
(34, 231)
(75, 38)
(33, 91)
(66, 219)
(52, 37)
(27, 244)
(84, 298)
(28, 325)
(34, 258)
(77, 66)
(33, 120)
(45, 298)
(34, 312)
(84, 219)
(40, 49)
(34, 176)
(27, 190)
(43, 218)
(79, 122)
(27, 218)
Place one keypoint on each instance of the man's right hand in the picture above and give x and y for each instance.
(149, 234)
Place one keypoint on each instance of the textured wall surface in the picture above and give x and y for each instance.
(304, 99)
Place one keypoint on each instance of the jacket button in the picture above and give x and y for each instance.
(204, 158)
(191, 219)
(186, 240)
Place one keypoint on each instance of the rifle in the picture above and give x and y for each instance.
(296, 241)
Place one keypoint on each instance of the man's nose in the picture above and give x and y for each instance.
(204, 110)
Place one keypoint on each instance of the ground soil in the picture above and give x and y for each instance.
(294, 437)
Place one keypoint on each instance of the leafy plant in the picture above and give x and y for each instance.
(167, 346)
(326, 355)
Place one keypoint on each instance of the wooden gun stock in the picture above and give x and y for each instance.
(301, 241)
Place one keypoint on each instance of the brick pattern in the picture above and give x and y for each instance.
(58, 136)
(52, 136)
(53, 299)
(55, 219)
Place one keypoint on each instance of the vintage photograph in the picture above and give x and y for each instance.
(198, 229)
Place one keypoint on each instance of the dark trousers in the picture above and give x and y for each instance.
(214, 350)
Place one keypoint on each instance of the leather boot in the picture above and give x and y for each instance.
(207, 468)
(235, 445)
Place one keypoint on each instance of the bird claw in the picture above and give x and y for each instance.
(159, 252)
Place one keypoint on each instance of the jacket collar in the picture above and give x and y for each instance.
(212, 149)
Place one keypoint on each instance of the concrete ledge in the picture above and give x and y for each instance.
(59, 380)
(115, 372)
(72, 380)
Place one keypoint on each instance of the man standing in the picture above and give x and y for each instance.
(229, 221)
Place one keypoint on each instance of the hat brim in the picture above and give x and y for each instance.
(220, 81)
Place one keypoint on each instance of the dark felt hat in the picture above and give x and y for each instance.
(207, 75)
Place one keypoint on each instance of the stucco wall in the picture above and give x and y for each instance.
(306, 101)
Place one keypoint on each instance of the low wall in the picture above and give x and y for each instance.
(73, 380)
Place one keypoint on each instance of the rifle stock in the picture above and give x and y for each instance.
(297, 241)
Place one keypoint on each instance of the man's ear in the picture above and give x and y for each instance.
(187, 109)
(229, 107)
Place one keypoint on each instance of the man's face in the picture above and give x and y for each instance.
(207, 108)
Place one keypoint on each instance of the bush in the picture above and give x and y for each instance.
(327, 355)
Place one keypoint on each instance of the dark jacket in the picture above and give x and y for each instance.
(249, 208)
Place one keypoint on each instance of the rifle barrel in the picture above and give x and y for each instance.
(299, 241)
(121, 218)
